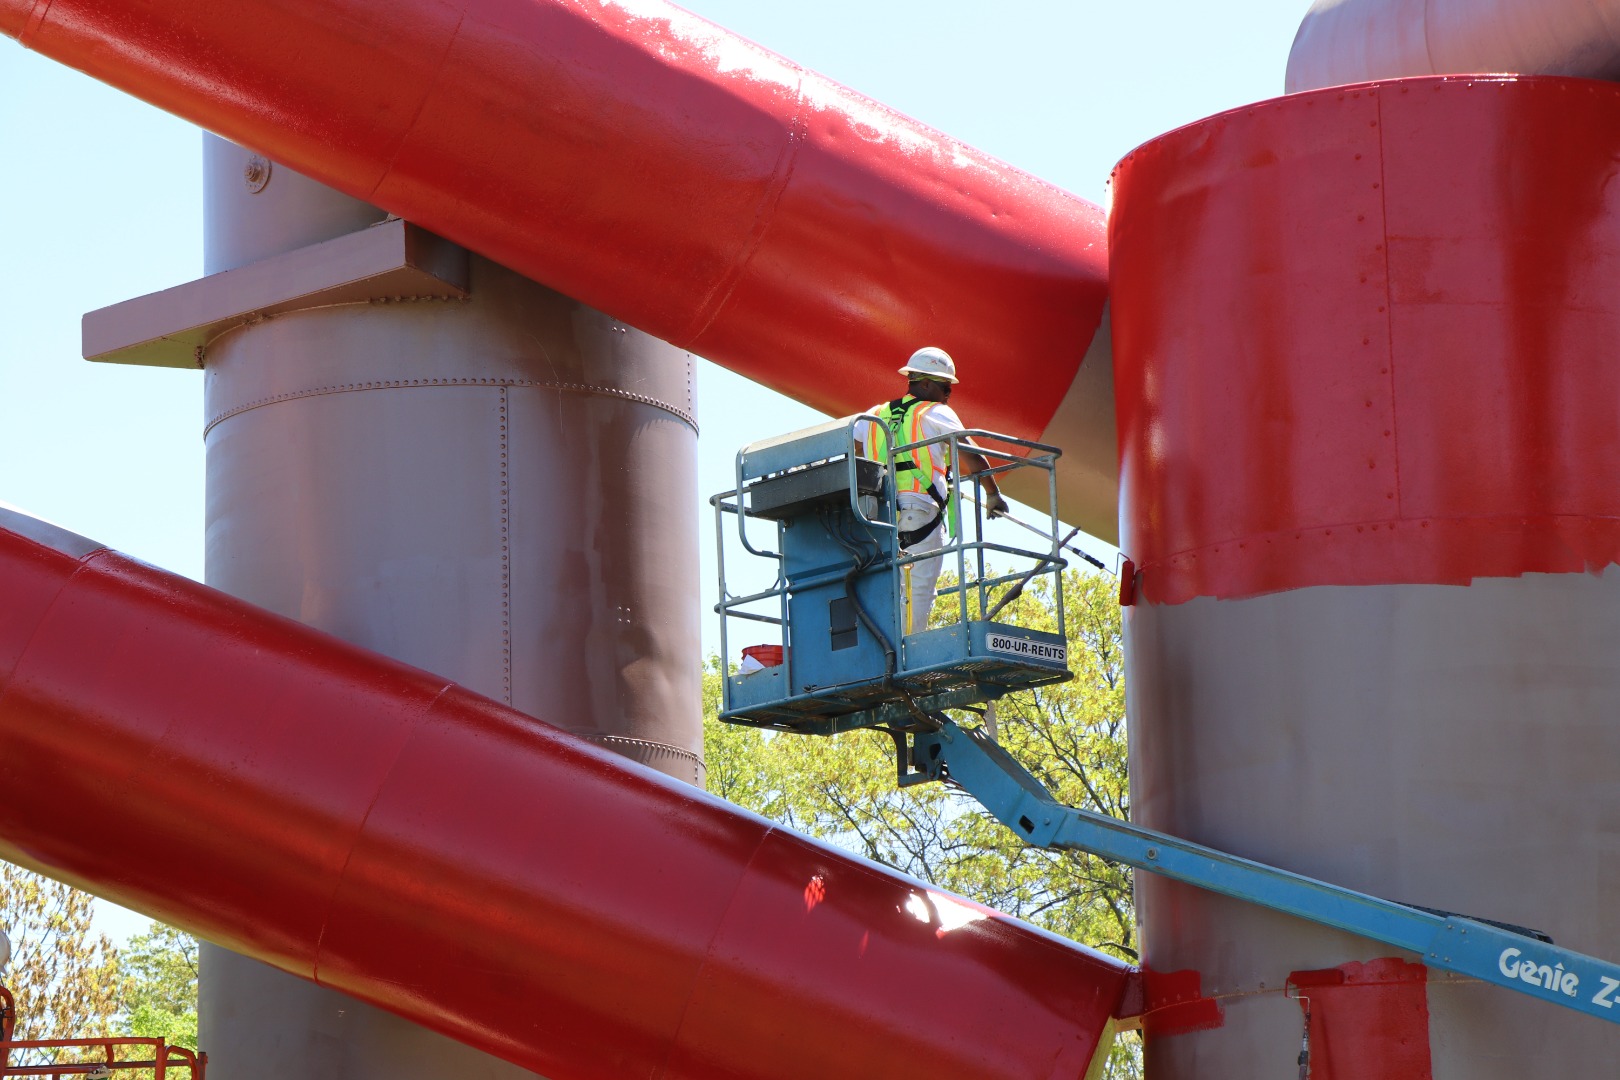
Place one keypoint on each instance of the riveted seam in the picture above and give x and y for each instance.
(399, 384)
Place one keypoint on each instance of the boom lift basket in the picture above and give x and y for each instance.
(838, 598)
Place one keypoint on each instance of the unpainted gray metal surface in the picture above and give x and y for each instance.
(1450, 747)
(1084, 426)
(279, 211)
(500, 489)
(1346, 41)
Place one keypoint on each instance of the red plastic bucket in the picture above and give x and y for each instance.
(765, 655)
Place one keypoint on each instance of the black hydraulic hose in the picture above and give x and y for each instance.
(891, 658)
(890, 654)
(860, 563)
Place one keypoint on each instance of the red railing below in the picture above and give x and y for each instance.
(161, 1056)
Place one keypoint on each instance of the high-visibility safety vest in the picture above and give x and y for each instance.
(914, 469)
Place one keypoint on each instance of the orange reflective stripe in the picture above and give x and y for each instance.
(876, 441)
(923, 475)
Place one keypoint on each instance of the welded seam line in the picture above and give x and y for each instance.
(699, 766)
(421, 107)
(83, 564)
(35, 18)
(1389, 308)
(732, 904)
(406, 384)
(1373, 525)
(506, 555)
(720, 294)
(360, 828)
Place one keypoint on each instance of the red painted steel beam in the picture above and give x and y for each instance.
(650, 164)
(372, 828)
(1366, 336)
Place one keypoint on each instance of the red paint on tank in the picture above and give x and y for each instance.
(1366, 335)
(372, 828)
(1368, 1021)
(650, 164)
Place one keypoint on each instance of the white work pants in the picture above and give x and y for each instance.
(921, 577)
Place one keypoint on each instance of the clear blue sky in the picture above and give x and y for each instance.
(101, 198)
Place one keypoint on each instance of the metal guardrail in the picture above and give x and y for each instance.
(159, 1059)
(975, 579)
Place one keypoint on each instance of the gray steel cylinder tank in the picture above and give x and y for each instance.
(1349, 41)
(500, 489)
(1440, 745)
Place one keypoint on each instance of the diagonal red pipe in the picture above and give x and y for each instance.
(650, 164)
(370, 827)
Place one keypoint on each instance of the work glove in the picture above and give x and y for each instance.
(995, 506)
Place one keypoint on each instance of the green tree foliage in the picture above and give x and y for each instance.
(1070, 735)
(64, 976)
(159, 999)
(72, 983)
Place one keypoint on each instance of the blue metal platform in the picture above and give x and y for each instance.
(837, 602)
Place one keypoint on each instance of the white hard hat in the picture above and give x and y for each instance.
(5, 951)
(931, 363)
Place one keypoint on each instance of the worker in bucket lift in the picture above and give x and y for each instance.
(921, 475)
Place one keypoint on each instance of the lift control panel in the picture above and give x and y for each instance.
(820, 520)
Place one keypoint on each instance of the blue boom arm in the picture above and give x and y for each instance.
(1518, 961)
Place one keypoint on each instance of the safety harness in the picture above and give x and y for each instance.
(910, 475)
